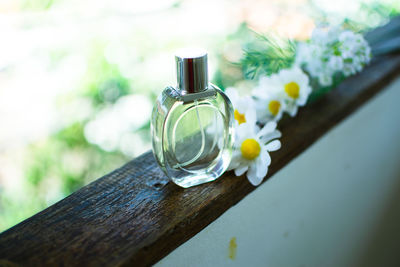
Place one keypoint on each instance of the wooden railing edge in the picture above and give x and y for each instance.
(134, 215)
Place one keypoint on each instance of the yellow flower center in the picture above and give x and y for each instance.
(250, 149)
(292, 89)
(239, 117)
(274, 107)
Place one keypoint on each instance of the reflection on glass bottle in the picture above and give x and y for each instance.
(192, 125)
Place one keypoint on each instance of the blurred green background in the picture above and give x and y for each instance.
(78, 78)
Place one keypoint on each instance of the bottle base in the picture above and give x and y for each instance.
(195, 180)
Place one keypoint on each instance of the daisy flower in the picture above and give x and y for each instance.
(294, 87)
(244, 110)
(251, 150)
(268, 102)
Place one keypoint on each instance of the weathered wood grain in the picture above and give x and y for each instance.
(135, 216)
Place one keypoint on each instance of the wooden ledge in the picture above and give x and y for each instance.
(134, 215)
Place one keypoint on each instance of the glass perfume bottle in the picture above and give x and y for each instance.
(192, 124)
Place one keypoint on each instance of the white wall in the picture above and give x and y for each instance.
(337, 204)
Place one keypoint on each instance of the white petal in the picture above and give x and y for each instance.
(304, 95)
(265, 158)
(262, 168)
(233, 164)
(325, 80)
(244, 131)
(241, 169)
(278, 116)
(302, 100)
(236, 154)
(266, 138)
(268, 128)
(251, 115)
(262, 111)
(292, 110)
(244, 103)
(274, 145)
(236, 159)
(253, 178)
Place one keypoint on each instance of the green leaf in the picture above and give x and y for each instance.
(268, 54)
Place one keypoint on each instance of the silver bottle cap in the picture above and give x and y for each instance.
(192, 70)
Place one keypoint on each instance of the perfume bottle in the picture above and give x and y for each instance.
(192, 124)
